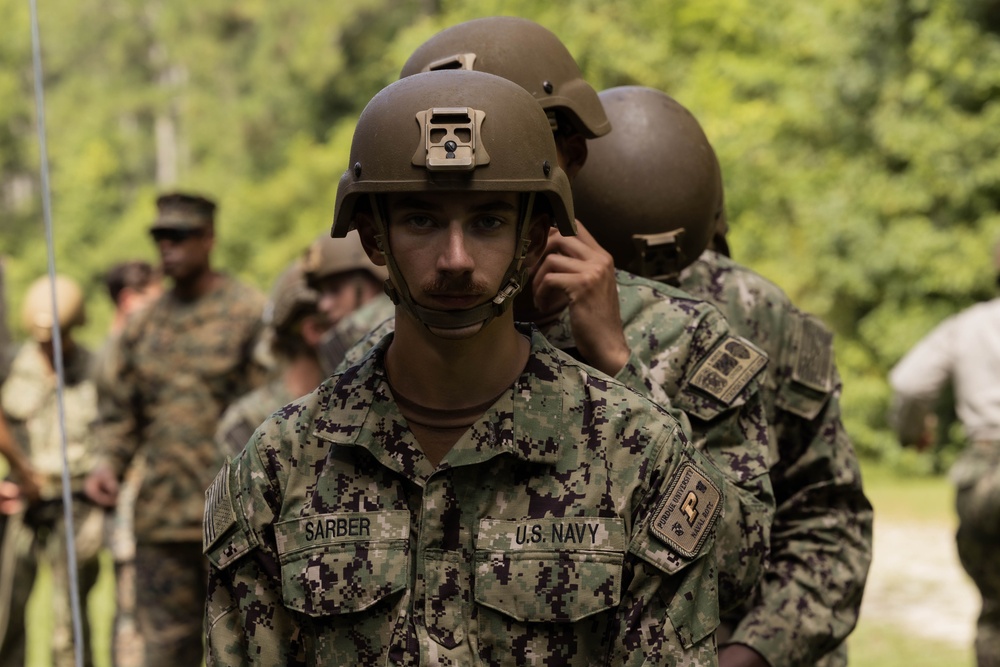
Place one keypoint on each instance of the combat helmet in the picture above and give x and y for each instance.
(453, 131)
(327, 256)
(291, 296)
(521, 51)
(651, 192)
(37, 309)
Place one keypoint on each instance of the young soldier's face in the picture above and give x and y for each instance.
(453, 249)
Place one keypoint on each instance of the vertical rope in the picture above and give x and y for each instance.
(67, 499)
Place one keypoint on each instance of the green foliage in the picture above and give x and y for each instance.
(858, 139)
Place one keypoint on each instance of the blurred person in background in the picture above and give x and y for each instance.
(131, 285)
(963, 354)
(652, 195)
(350, 293)
(179, 362)
(29, 400)
(294, 328)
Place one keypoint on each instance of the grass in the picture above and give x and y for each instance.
(895, 498)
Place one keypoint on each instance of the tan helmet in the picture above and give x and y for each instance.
(521, 51)
(327, 256)
(290, 297)
(446, 132)
(37, 309)
(650, 192)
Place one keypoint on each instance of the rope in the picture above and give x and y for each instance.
(67, 499)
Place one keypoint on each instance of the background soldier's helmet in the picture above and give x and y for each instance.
(454, 132)
(37, 309)
(521, 51)
(326, 257)
(291, 298)
(651, 191)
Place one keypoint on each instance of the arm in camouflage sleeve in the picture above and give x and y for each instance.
(115, 432)
(820, 542)
(735, 438)
(246, 621)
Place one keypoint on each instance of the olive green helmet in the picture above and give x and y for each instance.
(651, 192)
(439, 132)
(37, 309)
(327, 256)
(521, 51)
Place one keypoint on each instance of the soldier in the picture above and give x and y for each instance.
(180, 362)
(467, 494)
(657, 340)
(350, 294)
(30, 405)
(131, 285)
(294, 331)
(964, 352)
(652, 194)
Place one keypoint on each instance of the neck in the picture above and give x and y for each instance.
(194, 287)
(455, 374)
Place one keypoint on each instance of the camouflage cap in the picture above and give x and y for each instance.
(37, 308)
(178, 210)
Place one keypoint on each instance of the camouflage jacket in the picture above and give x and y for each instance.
(573, 523)
(242, 418)
(821, 540)
(352, 328)
(29, 401)
(178, 365)
(684, 358)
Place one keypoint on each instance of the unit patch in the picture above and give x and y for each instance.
(729, 368)
(814, 356)
(686, 514)
(219, 515)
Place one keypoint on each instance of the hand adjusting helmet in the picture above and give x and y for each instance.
(521, 51)
(442, 132)
(651, 191)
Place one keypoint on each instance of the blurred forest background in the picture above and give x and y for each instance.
(859, 138)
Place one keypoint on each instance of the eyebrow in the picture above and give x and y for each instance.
(421, 204)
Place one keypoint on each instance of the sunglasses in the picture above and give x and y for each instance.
(174, 235)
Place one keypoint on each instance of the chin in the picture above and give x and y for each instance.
(461, 333)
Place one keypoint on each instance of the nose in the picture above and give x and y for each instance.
(455, 257)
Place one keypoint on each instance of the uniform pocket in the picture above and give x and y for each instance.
(342, 563)
(550, 570)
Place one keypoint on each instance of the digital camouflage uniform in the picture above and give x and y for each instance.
(352, 328)
(242, 418)
(29, 402)
(179, 365)
(683, 358)
(126, 641)
(964, 351)
(821, 539)
(570, 525)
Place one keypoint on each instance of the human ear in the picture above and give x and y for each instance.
(365, 224)
(572, 151)
(538, 237)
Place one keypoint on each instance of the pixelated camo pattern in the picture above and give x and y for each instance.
(821, 539)
(530, 541)
(246, 413)
(179, 364)
(672, 337)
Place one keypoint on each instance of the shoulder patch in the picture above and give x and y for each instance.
(813, 362)
(729, 368)
(686, 514)
(219, 516)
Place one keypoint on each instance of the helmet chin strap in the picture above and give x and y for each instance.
(513, 282)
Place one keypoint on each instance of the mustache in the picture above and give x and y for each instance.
(458, 285)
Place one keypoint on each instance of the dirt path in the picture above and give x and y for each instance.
(917, 584)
